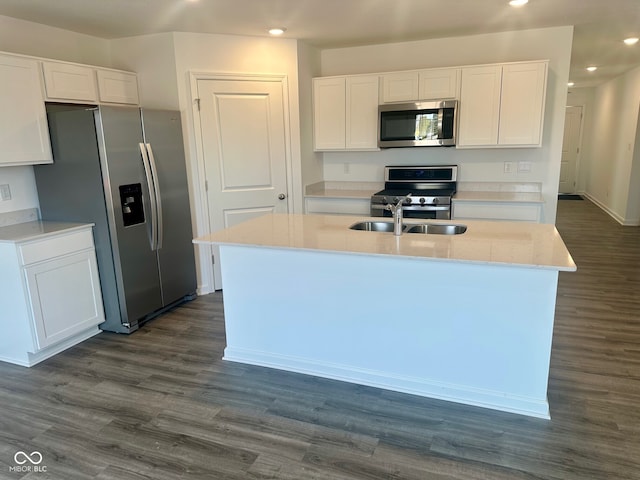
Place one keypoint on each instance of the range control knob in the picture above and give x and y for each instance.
(435, 201)
(422, 200)
(395, 199)
(407, 201)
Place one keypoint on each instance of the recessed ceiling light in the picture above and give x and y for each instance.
(570, 84)
(277, 31)
(631, 40)
(592, 69)
(518, 3)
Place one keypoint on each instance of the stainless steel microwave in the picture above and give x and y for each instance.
(418, 124)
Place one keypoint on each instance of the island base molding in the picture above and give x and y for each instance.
(413, 386)
(478, 334)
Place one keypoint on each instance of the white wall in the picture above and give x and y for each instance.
(553, 44)
(614, 170)
(153, 58)
(28, 38)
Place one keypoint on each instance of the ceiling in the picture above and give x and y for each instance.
(600, 25)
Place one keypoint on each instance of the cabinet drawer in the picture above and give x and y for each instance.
(40, 250)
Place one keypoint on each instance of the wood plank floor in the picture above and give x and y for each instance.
(160, 404)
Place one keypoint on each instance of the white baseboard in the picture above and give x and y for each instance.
(417, 386)
(618, 218)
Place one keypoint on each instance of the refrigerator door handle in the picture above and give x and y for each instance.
(152, 197)
(156, 187)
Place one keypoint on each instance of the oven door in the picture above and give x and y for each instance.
(442, 212)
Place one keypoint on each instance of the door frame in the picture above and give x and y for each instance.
(205, 253)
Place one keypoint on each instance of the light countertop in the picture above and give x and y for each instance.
(530, 245)
(23, 232)
(467, 191)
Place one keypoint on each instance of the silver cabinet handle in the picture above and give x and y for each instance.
(282, 196)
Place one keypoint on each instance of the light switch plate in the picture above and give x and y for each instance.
(5, 192)
(524, 167)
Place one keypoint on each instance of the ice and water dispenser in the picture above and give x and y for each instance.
(131, 204)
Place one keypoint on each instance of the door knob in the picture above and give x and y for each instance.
(282, 196)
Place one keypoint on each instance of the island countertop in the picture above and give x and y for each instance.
(530, 245)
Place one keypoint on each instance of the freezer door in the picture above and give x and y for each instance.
(163, 137)
(119, 137)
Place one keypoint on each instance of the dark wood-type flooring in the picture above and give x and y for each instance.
(161, 404)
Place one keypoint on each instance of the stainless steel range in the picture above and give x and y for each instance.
(431, 189)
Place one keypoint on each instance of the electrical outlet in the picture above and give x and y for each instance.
(508, 167)
(5, 192)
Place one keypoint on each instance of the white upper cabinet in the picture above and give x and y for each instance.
(502, 105)
(345, 113)
(522, 103)
(24, 135)
(329, 113)
(439, 83)
(117, 87)
(362, 112)
(69, 82)
(399, 87)
(431, 84)
(479, 106)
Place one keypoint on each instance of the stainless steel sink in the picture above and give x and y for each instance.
(425, 228)
(436, 228)
(373, 226)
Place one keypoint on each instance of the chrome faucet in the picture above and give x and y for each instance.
(396, 211)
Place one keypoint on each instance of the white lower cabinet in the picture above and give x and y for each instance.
(50, 294)
(505, 211)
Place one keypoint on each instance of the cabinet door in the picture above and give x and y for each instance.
(439, 83)
(69, 82)
(117, 87)
(400, 87)
(362, 112)
(65, 296)
(522, 104)
(479, 106)
(24, 135)
(329, 113)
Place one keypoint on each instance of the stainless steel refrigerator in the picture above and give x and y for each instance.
(123, 169)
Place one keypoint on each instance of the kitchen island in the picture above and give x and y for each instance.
(466, 318)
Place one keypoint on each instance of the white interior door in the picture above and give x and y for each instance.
(244, 146)
(570, 150)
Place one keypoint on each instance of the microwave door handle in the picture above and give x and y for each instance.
(152, 197)
(440, 120)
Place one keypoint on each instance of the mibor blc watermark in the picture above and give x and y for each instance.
(28, 462)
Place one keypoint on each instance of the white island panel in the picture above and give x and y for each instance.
(467, 333)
